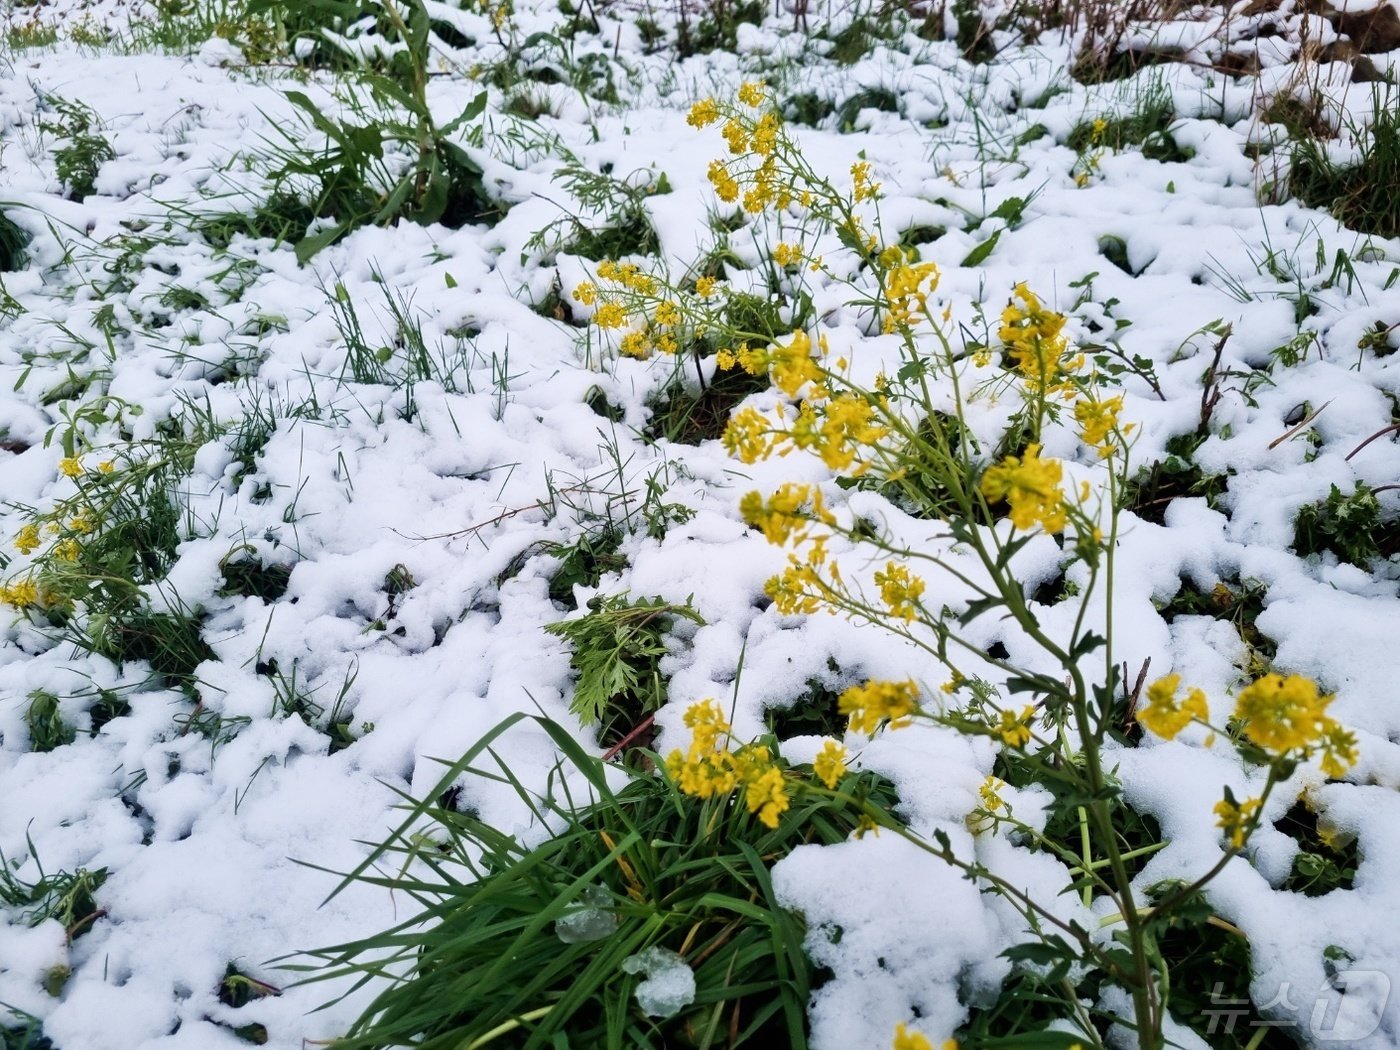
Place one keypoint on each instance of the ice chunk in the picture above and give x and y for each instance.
(589, 919)
(669, 984)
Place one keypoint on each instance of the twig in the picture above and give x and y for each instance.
(632, 734)
(1276, 442)
(1382, 432)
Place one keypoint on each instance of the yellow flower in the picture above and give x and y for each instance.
(1033, 336)
(782, 516)
(1339, 752)
(610, 315)
(909, 1039)
(586, 293)
(1098, 420)
(751, 93)
(726, 186)
(1097, 129)
(667, 313)
(28, 538)
(736, 136)
(765, 793)
(634, 344)
(748, 437)
(793, 365)
(900, 589)
(21, 594)
(990, 794)
(1236, 819)
(1163, 715)
(905, 289)
(70, 466)
(1014, 729)
(703, 113)
(67, 550)
(868, 705)
(1281, 714)
(106, 466)
(799, 589)
(785, 254)
(862, 188)
(1032, 486)
(704, 287)
(80, 523)
(830, 763)
(765, 135)
(836, 431)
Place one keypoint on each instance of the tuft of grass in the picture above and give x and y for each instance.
(547, 939)
(13, 241)
(69, 897)
(1359, 192)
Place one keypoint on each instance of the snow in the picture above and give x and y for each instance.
(204, 842)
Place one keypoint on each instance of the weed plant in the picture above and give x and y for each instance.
(317, 196)
(564, 944)
(81, 151)
(618, 645)
(986, 508)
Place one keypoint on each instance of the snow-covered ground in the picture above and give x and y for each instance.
(201, 832)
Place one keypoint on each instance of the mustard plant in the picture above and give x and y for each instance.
(1054, 716)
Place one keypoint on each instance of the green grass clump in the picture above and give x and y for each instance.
(522, 948)
(1360, 193)
(13, 240)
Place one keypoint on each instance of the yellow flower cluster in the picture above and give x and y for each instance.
(799, 589)
(869, 705)
(760, 186)
(862, 188)
(830, 764)
(750, 436)
(838, 430)
(1283, 715)
(912, 1039)
(1098, 422)
(709, 769)
(900, 590)
(1236, 818)
(1014, 729)
(21, 594)
(785, 254)
(907, 289)
(1031, 486)
(786, 515)
(70, 467)
(1035, 339)
(1164, 715)
(28, 538)
(631, 287)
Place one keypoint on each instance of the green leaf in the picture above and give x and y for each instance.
(980, 253)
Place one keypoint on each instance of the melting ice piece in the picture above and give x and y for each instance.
(669, 984)
(589, 919)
